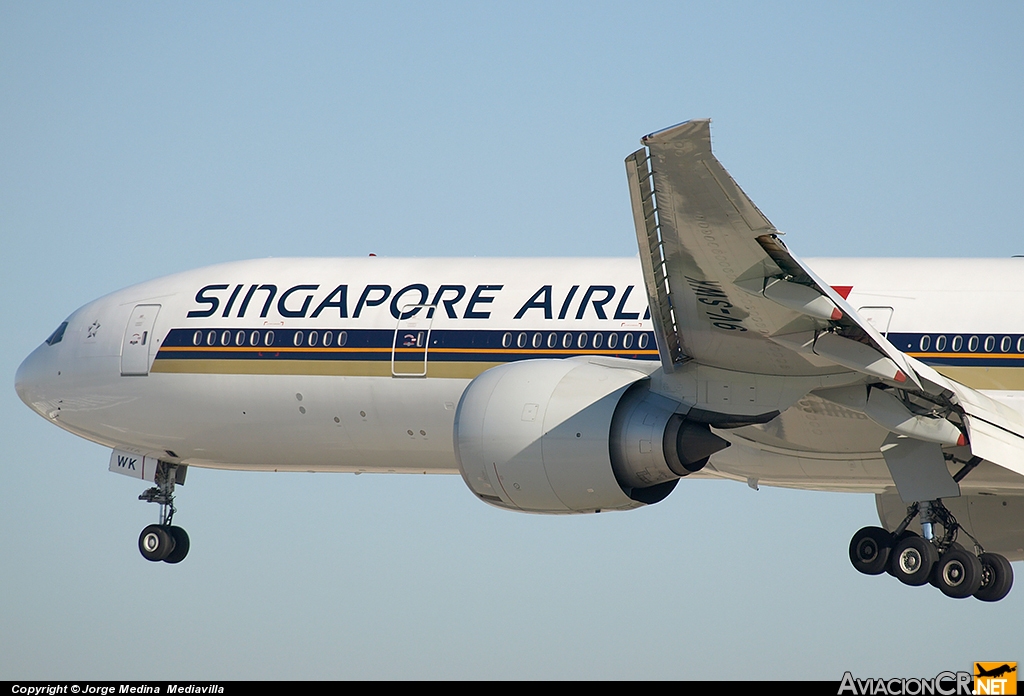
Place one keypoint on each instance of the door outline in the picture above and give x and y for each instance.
(411, 335)
(878, 316)
(136, 346)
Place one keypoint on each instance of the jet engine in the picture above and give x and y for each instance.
(574, 436)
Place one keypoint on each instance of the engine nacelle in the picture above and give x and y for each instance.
(573, 436)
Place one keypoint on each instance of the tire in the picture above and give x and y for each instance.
(155, 543)
(958, 573)
(896, 539)
(996, 578)
(181, 545)
(869, 550)
(912, 559)
(933, 579)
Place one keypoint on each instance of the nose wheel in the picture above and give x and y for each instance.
(939, 561)
(161, 542)
(164, 542)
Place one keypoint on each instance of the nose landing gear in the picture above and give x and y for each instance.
(940, 561)
(164, 542)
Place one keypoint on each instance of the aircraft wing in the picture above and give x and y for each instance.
(727, 293)
(723, 288)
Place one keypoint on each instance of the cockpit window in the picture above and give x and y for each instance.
(57, 335)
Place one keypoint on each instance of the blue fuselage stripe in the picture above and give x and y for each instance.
(442, 345)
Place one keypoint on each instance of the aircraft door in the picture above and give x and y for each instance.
(138, 337)
(412, 336)
(879, 317)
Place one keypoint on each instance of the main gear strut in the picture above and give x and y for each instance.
(937, 559)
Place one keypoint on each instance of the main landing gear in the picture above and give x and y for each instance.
(939, 561)
(164, 542)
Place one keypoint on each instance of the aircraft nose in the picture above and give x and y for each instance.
(32, 378)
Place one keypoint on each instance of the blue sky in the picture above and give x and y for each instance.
(138, 140)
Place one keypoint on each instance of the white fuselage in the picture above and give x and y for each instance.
(359, 364)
